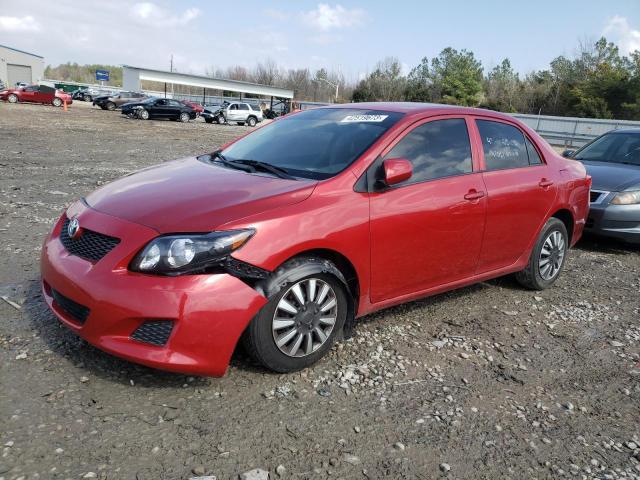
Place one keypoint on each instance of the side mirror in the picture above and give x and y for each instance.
(568, 153)
(396, 170)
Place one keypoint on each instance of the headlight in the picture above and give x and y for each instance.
(188, 253)
(626, 198)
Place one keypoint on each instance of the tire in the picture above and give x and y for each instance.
(56, 102)
(110, 106)
(13, 98)
(208, 120)
(184, 117)
(547, 258)
(143, 114)
(252, 121)
(88, 98)
(221, 120)
(282, 346)
(103, 107)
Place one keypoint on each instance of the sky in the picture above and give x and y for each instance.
(347, 36)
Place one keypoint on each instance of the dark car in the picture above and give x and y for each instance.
(111, 102)
(613, 161)
(284, 236)
(159, 108)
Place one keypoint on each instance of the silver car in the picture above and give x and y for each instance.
(613, 161)
(241, 113)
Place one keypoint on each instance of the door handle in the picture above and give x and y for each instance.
(474, 195)
(544, 183)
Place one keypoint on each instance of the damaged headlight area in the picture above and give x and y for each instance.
(182, 254)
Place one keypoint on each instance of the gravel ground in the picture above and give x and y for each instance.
(489, 381)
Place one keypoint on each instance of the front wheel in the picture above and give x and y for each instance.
(111, 106)
(88, 98)
(143, 114)
(221, 120)
(251, 121)
(300, 322)
(13, 98)
(184, 117)
(57, 102)
(547, 258)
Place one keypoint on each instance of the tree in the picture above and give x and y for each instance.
(460, 75)
(502, 88)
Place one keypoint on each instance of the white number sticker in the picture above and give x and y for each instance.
(363, 118)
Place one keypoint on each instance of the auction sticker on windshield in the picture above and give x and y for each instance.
(364, 118)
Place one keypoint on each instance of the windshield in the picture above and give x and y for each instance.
(613, 148)
(316, 143)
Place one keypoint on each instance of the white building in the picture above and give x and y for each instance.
(18, 66)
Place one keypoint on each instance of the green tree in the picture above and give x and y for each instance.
(460, 75)
(502, 88)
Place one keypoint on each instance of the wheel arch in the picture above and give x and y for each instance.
(566, 217)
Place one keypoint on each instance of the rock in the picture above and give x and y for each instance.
(538, 299)
(199, 470)
(280, 470)
(445, 467)
(399, 446)
(510, 313)
(9, 443)
(21, 356)
(351, 459)
(630, 445)
(59, 450)
(464, 355)
(356, 429)
(84, 379)
(323, 392)
(439, 343)
(90, 475)
(205, 477)
(615, 343)
(569, 406)
(255, 474)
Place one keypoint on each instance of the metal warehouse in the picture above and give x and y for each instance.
(19, 66)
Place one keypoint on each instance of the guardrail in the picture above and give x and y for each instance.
(571, 131)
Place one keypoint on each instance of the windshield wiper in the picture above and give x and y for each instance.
(230, 163)
(256, 164)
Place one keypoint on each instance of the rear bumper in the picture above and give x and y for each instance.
(616, 221)
(208, 312)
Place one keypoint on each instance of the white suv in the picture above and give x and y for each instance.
(242, 113)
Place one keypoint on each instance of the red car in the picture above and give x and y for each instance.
(36, 94)
(286, 235)
(195, 105)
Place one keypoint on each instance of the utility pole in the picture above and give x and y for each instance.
(335, 85)
(171, 67)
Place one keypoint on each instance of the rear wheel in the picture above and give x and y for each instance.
(547, 258)
(13, 98)
(208, 120)
(252, 121)
(184, 117)
(111, 106)
(88, 98)
(56, 102)
(143, 114)
(300, 322)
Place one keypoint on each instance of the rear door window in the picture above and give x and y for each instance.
(504, 145)
(436, 149)
(534, 157)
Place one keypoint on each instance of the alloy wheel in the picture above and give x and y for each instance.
(551, 255)
(304, 317)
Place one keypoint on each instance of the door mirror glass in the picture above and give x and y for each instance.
(396, 170)
(568, 153)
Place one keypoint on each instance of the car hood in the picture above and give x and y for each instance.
(192, 196)
(133, 104)
(612, 177)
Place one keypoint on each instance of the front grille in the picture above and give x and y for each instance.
(590, 222)
(155, 332)
(77, 312)
(89, 245)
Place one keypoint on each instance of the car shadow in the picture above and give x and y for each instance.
(597, 244)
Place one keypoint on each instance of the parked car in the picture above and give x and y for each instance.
(87, 94)
(159, 108)
(234, 112)
(613, 161)
(36, 94)
(195, 105)
(111, 102)
(2, 87)
(285, 235)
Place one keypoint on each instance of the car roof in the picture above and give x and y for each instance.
(421, 108)
(625, 130)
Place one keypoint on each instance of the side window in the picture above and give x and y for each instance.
(534, 158)
(503, 145)
(234, 107)
(243, 106)
(436, 149)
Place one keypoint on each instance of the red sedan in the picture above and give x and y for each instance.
(195, 105)
(36, 94)
(288, 234)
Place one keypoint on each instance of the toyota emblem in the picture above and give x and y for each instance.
(73, 229)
